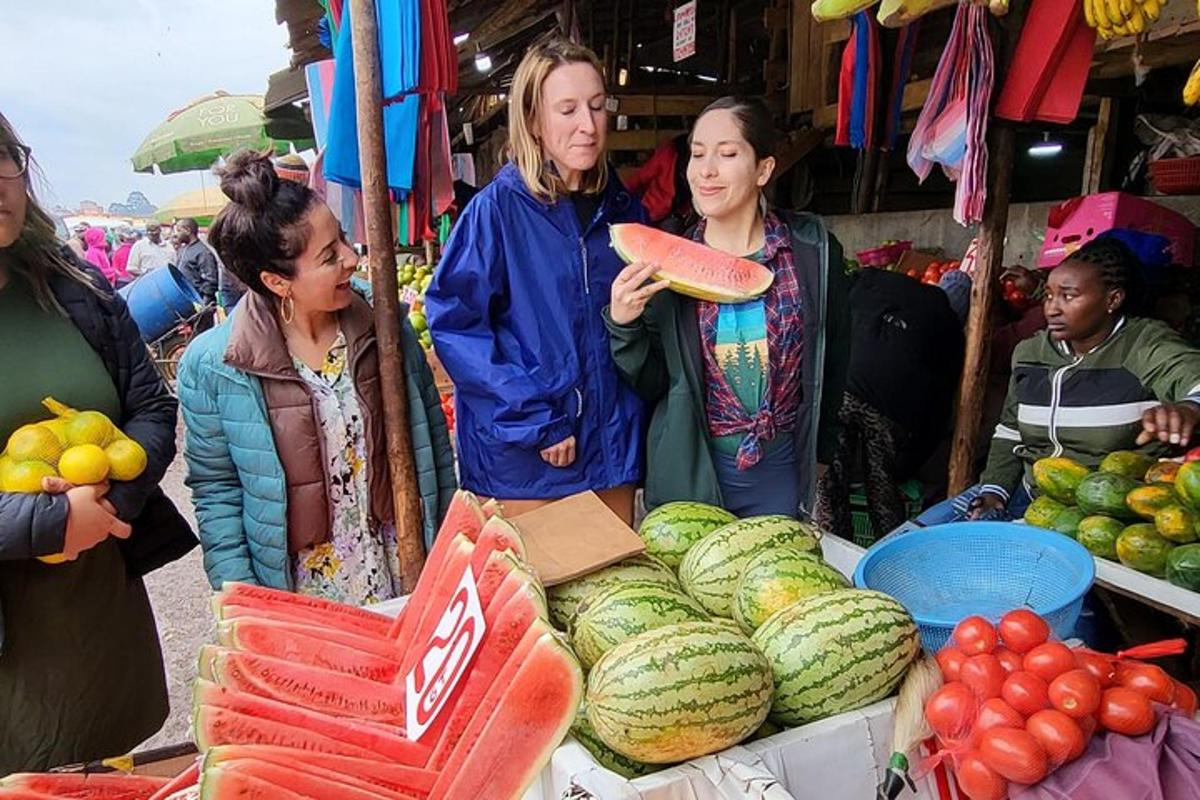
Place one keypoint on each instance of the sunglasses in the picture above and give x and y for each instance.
(14, 160)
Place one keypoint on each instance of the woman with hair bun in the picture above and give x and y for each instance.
(285, 442)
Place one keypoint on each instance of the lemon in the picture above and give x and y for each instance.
(58, 427)
(89, 427)
(57, 558)
(25, 477)
(126, 458)
(34, 443)
(84, 464)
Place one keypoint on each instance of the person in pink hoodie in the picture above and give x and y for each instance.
(97, 256)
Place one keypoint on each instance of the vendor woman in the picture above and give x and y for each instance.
(1098, 379)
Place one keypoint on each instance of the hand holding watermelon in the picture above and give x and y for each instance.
(631, 292)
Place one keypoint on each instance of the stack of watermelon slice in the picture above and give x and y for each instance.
(305, 698)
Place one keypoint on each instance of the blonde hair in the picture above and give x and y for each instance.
(523, 146)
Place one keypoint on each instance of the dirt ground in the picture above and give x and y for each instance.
(180, 595)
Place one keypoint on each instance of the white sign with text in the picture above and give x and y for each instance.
(683, 37)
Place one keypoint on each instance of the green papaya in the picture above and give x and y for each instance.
(1177, 524)
(1059, 477)
(1067, 522)
(1099, 535)
(1187, 484)
(1105, 493)
(1128, 463)
(1145, 501)
(1183, 567)
(1043, 511)
(1140, 547)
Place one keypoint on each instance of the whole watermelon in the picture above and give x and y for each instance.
(775, 579)
(1183, 567)
(1099, 535)
(1059, 477)
(1128, 463)
(836, 652)
(620, 612)
(1043, 511)
(1140, 547)
(566, 597)
(670, 530)
(679, 692)
(1105, 493)
(610, 759)
(711, 569)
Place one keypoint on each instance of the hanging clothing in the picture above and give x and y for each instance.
(359, 562)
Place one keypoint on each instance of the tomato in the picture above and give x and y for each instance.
(1014, 754)
(1022, 630)
(950, 659)
(1123, 710)
(996, 713)
(1025, 692)
(1059, 735)
(1148, 679)
(1193, 454)
(977, 780)
(1075, 693)
(1100, 666)
(951, 710)
(1012, 662)
(1049, 660)
(984, 674)
(1185, 699)
(975, 636)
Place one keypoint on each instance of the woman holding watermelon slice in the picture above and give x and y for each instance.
(746, 394)
(515, 304)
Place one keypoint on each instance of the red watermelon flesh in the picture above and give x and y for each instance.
(306, 686)
(532, 715)
(507, 624)
(492, 508)
(370, 624)
(91, 786)
(310, 781)
(251, 632)
(244, 594)
(464, 515)
(417, 628)
(694, 269)
(384, 773)
(222, 784)
(500, 534)
(274, 640)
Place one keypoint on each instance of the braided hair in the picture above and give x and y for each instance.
(1117, 268)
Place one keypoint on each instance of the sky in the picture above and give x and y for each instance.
(84, 81)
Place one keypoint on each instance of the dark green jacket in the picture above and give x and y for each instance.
(660, 356)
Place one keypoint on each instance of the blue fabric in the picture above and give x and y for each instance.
(860, 108)
(234, 471)
(399, 119)
(769, 487)
(515, 308)
(955, 509)
(399, 45)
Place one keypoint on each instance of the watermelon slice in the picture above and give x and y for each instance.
(188, 779)
(417, 628)
(309, 781)
(383, 773)
(492, 508)
(500, 534)
(305, 686)
(464, 515)
(369, 624)
(92, 786)
(529, 711)
(252, 631)
(292, 643)
(245, 594)
(693, 269)
(224, 784)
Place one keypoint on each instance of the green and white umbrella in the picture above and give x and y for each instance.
(197, 136)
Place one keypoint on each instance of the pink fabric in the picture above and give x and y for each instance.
(121, 259)
(95, 254)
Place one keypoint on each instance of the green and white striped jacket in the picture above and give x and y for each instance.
(1084, 407)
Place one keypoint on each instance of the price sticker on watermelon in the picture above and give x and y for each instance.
(446, 658)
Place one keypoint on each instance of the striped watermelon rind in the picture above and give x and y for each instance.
(670, 530)
(610, 759)
(679, 692)
(618, 613)
(710, 570)
(564, 599)
(836, 652)
(776, 578)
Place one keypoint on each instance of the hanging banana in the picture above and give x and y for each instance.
(1191, 91)
(829, 10)
(1122, 17)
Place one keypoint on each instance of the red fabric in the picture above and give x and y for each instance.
(1050, 27)
(845, 92)
(654, 181)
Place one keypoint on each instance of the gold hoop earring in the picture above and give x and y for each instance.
(287, 309)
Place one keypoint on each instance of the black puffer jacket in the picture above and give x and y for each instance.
(35, 524)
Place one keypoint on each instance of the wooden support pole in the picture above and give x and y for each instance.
(1099, 151)
(1002, 148)
(382, 258)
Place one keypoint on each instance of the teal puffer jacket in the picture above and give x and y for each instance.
(237, 478)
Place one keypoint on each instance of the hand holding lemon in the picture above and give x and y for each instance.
(84, 449)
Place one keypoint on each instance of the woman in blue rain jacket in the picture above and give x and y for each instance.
(515, 305)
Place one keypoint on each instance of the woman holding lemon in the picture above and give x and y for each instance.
(81, 674)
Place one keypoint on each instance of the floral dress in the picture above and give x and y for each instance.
(359, 563)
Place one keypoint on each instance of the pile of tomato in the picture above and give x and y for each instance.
(932, 274)
(1015, 705)
(448, 410)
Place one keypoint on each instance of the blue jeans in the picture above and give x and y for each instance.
(955, 509)
(769, 487)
